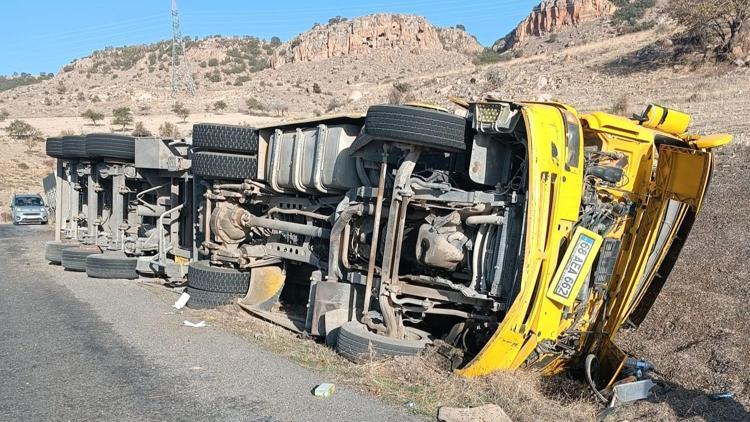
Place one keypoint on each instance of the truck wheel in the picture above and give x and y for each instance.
(219, 165)
(107, 145)
(111, 265)
(74, 147)
(74, 259)
(53, 250)
(357, 344)
(202, 299)
(54, 147)
(202, 276)
(214, 137)
(415, 125)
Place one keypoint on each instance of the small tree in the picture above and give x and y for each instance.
(275, 42)
(92, 115)
(169, 130)
(181, 111)
(20, 129)
(140, 130)
(122, 116)
(4, 115)
(220, 106)
(716, 24)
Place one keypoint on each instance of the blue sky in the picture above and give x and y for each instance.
(42, 35)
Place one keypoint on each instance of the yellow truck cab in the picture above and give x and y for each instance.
(611, 201)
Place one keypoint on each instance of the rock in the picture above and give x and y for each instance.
(551, 16)
(455, 39)
(355, 96)
(364, 35)
(486, 413)
(739, 62)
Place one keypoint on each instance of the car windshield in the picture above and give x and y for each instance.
(28, 201)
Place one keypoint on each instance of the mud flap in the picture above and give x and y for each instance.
(265, 287)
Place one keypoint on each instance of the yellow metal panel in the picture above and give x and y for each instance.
(666, 120)
(712, 141)
(575, 267)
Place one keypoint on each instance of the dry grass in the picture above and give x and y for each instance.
(421, 384)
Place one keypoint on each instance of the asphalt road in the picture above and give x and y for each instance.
(73, 348)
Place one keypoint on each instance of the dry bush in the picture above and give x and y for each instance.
(717, 25)
(400, 93)
(621, 106)
(141, 131)
(169, 130)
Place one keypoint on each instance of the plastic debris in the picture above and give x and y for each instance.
(181, 301)
(721, 396)
(194, 324)
(325, 389)
(631, 391)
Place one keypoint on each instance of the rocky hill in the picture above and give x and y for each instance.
(365, 35)
(350, 57)
(552, 16)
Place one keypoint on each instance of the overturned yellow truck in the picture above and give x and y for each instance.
(516, 235)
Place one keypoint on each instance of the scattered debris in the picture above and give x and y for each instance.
(194, 324)
(325, 390)
(721, 396)
(486, 413)
(631, 391)
(181, 301)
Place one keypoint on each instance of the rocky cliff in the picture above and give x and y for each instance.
(361, 36)
(553, 15)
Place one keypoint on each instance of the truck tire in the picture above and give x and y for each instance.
(219, 165)
(228, 138)
(357, 344)
(202, 299)
(53, 250)
(111, 265)
(74, 147)
(74, 259)
(419, 126)
(54, 147)
(202, 276)
(107, 145)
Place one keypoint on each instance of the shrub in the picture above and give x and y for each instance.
(220, 105)
(122, 116)
(140, 130)
(717, 25)
(334, 104)
(275, 42)
(488, 56)
(21, 130)
(241, 80)
(336, 20)
(621, 106)
(4, 115)
(316, 88)
(461, 27)
(213, 62)
(181, 111)
(631, 11)
(252, 103)
(68, 68)
(400, 93)
(61, 88)
(169, 131)
(214, 76)
(93, 116)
